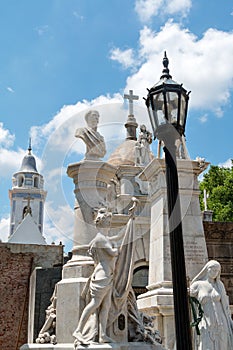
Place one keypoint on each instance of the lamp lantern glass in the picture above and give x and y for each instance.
(167, 103)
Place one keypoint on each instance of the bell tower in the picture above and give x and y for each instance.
(27, 195)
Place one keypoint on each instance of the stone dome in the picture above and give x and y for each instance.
(29, 164)
(124, 154)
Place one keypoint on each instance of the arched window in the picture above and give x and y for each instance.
(20, 180)
(140, 280)
(36, 182)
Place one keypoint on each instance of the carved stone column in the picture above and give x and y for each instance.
(91, 179)
(160, 295)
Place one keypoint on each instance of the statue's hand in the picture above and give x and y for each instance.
(133, 208)
(115, 250)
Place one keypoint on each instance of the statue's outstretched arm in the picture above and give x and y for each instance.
(131, 215)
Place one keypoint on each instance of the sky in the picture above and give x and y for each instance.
(60, 58)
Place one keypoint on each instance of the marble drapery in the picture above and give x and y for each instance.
(216, 326)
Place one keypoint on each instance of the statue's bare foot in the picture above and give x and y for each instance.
(105, 339)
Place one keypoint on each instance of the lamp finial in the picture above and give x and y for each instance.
(165, 71)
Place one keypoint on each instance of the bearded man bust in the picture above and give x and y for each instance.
(95, 145)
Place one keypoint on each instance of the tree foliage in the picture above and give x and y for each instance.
(218, 183)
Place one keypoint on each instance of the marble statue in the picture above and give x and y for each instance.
(109, 287)
(216, 326)
(95, 145)
(142, 147)
(104, 254)
(47, 332)
(181, 148)
(140, 325)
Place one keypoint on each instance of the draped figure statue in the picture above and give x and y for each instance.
(143, 154)
(216, 326)
(109, 286)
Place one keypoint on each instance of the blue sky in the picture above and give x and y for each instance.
(60, 57)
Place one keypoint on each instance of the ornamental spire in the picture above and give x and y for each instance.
(165, 71)
(131, 124)
(30, 146)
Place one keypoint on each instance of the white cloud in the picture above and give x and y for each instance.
(10, 161)
(203, 119)
(124, 57)
(58, 136)
(4, 229)
(59, 225)
(41, 30)
(6, 138)
(10, 89)
(67, 120)
(177, 6)
(203, 64)
(146, 9)
(78, 16)
(219, 112)
(226, 164)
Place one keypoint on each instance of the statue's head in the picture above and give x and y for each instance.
(92, 118)
(103, 218)
(143, 127)
(213, 269)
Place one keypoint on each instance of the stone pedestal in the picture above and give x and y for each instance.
(113, 346)
(91, 179)
(128, 187)
(70, 304)
(160, 295)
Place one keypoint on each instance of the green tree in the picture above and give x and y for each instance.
(218, 183)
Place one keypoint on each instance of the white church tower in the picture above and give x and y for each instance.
(27, 198)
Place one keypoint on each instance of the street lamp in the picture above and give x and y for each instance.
(167, 104)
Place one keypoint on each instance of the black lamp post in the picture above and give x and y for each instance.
(167, 104)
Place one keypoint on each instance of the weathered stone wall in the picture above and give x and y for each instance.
(44, 255)
(17, 261)
(219, 240)
(15, 272)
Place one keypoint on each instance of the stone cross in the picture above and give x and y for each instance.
(28, 199)
(131, 97)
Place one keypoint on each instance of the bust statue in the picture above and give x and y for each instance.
(95, 145)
